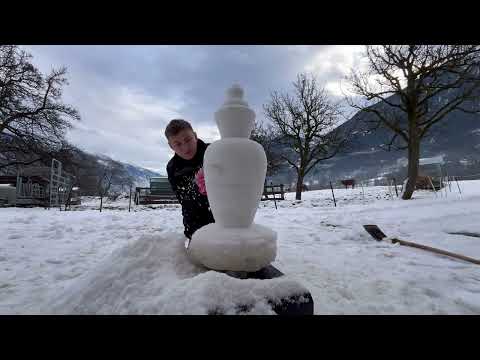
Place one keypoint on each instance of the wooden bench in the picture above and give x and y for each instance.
(145, 196)
(270, 192)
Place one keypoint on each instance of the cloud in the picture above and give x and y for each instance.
(332, 64)
(133, 150)
(127, 94)
(338, 60)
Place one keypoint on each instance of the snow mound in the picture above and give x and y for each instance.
(154, 276)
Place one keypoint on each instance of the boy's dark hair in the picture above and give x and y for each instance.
(175, 126)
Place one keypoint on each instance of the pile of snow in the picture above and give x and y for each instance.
(154, 276)
(120, 262)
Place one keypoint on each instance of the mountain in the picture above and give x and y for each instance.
(456, 138)
(123, 173)
(141, 175)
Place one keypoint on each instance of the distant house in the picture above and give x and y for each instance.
(29, 187)
(36, 186)
(431, 166)
(431, 169)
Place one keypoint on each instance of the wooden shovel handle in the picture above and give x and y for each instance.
(438, 251)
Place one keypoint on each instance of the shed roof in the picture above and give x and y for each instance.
(436, 160)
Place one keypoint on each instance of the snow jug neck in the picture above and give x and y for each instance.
(235, 118)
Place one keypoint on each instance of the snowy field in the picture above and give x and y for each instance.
(120, 262)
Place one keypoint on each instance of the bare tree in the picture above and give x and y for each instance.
(410, 88)
(265, 135)
(104, 183)
(307, 122)
(31, 111)
(123, 182)
(107, 177)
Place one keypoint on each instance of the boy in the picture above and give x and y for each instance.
(185, 175)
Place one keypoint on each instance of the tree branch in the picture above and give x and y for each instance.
(15, 163)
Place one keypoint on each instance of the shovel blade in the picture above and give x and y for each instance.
(375, 232)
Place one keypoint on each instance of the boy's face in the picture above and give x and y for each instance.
(184, 144)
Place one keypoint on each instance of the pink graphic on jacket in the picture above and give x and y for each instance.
(200, 180)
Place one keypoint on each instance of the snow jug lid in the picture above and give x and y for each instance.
(235, 97)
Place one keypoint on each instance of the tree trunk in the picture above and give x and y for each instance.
(298, 195)
(413, 161)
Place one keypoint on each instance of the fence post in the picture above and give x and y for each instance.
(334, 201)
(433, 187)
(460, 191)
(395, 182)
(449, 183)
(445, 185)
(130, 199)
(273, 191)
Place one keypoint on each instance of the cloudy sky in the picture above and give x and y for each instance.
(127, 94)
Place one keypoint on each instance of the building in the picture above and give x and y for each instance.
(430, 172)
(30, 187)
(37, 186)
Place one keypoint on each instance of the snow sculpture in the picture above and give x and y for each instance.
(235, 169)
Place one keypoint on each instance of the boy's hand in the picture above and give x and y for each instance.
(200, 180)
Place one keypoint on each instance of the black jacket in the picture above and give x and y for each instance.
(195, 207)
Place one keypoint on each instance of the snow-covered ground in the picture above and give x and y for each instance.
(133, 262)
